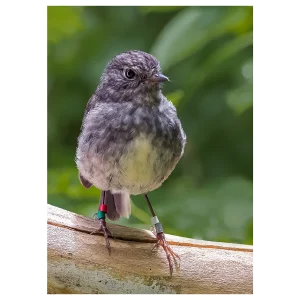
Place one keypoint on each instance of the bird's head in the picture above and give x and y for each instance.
(132, 74)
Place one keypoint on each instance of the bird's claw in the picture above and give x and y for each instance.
(161, 241)
(106, 232)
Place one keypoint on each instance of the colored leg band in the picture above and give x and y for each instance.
(101, 214)
(158, 227)
(103, 207)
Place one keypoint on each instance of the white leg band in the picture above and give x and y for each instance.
(154, 220)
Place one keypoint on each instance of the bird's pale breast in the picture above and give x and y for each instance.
(135, 151)
(143, 166)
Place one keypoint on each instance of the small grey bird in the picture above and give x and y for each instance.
(131, 139)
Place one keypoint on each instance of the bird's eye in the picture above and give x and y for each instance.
(129, 74)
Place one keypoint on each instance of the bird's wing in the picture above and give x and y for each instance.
(83, 181)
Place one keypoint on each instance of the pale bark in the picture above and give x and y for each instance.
(79, 263)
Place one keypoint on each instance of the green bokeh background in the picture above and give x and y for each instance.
(207, 52)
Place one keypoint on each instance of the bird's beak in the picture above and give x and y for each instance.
(158, 78)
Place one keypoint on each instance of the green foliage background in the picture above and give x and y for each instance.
(208, 55)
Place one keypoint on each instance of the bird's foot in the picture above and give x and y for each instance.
(106, 232)
(161, 241)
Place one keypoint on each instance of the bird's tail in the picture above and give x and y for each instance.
(117, 205)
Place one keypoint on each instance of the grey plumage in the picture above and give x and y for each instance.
(131, 138)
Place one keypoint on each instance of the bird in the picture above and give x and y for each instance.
(130, 140)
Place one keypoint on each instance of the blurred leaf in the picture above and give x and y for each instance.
(66, 182)
(190, 30)
(139, 213)
(247, 70)
(63, 21)
(169, 47)
(175, 97)
(158, 9)
(227, 51)
(218, 57)
(240, 99)
(247, 23)
(219, 209)
(239, 19)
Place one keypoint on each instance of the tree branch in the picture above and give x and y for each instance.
(79, 263)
